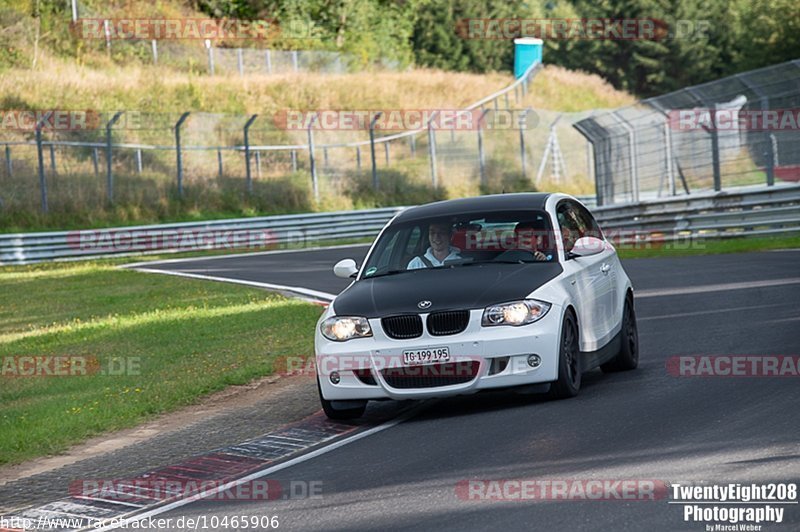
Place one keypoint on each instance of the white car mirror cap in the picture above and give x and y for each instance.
(345, 268)
(588, 246)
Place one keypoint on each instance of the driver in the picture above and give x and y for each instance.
(440, 250)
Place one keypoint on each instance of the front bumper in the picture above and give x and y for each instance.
(475, 343)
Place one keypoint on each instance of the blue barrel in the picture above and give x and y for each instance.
(527, 51)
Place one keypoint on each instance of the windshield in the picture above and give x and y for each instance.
(456, 241)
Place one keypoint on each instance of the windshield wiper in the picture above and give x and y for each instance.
(389, 272)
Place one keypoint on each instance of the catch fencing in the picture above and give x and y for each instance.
(143, 161)
(737, 131)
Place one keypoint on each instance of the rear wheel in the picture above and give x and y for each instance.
(340, 413)
(628, 356)
(569, 361)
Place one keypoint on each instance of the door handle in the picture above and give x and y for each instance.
(605, 267)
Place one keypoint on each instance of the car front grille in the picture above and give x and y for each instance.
(402, 327)
(432, 375)
(447, 322)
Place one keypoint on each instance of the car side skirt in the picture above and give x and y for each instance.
(593, 359)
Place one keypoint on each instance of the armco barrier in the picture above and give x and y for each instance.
(760, 211)
(299, 230)
(746, 212)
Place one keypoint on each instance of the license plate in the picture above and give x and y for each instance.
(429, 355)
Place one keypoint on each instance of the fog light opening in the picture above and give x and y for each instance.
(335, 377)
(534, 361)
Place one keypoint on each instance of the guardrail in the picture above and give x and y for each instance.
(754, 212)
(761, 211)
(249, 234)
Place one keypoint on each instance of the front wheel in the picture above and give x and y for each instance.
(628, 356)
(340, 413)
(569, 361)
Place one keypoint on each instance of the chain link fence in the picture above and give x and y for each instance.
(145, 161)
(737, 131)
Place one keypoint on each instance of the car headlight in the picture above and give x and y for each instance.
(515, 313)
(341, 329)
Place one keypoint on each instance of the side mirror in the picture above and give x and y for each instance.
(588, 246)
(346, 269)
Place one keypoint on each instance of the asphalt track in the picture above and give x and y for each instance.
(646, 424)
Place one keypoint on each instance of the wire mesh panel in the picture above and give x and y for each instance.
(737, 131)
(151, 164)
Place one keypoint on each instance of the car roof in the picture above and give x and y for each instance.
(521, 201)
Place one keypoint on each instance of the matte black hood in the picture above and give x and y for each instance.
(460, 287)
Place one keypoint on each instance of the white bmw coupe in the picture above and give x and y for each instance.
(458, 296)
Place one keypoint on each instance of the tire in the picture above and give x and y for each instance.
(628, 356)
(569, 361)
(336, 413)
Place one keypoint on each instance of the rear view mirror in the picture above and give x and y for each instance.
(346, 269)
(588, 246)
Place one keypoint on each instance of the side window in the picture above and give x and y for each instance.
(569, 224)
(589, 223)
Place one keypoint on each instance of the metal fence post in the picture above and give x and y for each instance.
(412, 140)
(53, 159)
(95, 161)
(771, 160)
(40, 155)
(768, 137)
(219, 163)
(712, 112)
(269, 61)
(107, 32)
(210, 57)
(178, 155)
(358, 158)
(314, 183)
(295, 61)
(258, 164)
(386, 150)
(715, 164)
(325, 158)
(139, 161)
(372, 149)
(249, 177)
(9, 166)
(294, 161)
(669, 156)
(432, 150)
(240, 61)
(154, 45)
(481, 155)
(522, 155)
(632, 155)
(109, 175)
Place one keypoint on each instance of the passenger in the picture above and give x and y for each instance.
(440, 250)
(530, 237)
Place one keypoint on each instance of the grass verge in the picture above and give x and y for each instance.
(710, 247)
(173, 340)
